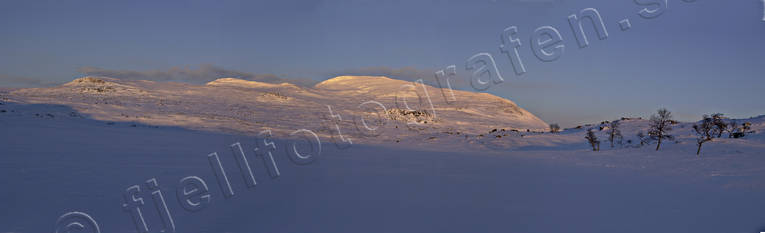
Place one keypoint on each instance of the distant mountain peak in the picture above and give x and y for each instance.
(355, 78)
(90, 80)
(235, 82)
(352, 78)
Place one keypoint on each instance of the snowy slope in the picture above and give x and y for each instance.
(474, 122)
(472, 168)
(405, 114)
(53, 161)
(396, 110)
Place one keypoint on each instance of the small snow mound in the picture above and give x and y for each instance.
(235, 82)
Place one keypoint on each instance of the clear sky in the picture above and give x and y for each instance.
(695, 58)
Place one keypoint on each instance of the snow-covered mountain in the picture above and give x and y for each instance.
(371, 109)
(473, 160)
(364, 110)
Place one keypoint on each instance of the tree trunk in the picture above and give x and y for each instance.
(658, 144)
(611, 139)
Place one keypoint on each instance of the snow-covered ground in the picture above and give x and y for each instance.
(78, 147)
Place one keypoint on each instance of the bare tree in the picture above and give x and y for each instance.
(614, 133)
(554, 128)
(704, 131)
(660, 126)
(593, 140)
(719, 124)
(732, 128)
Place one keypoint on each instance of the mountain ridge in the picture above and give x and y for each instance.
(407, 109)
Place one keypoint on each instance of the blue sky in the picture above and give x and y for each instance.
(695, 58)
